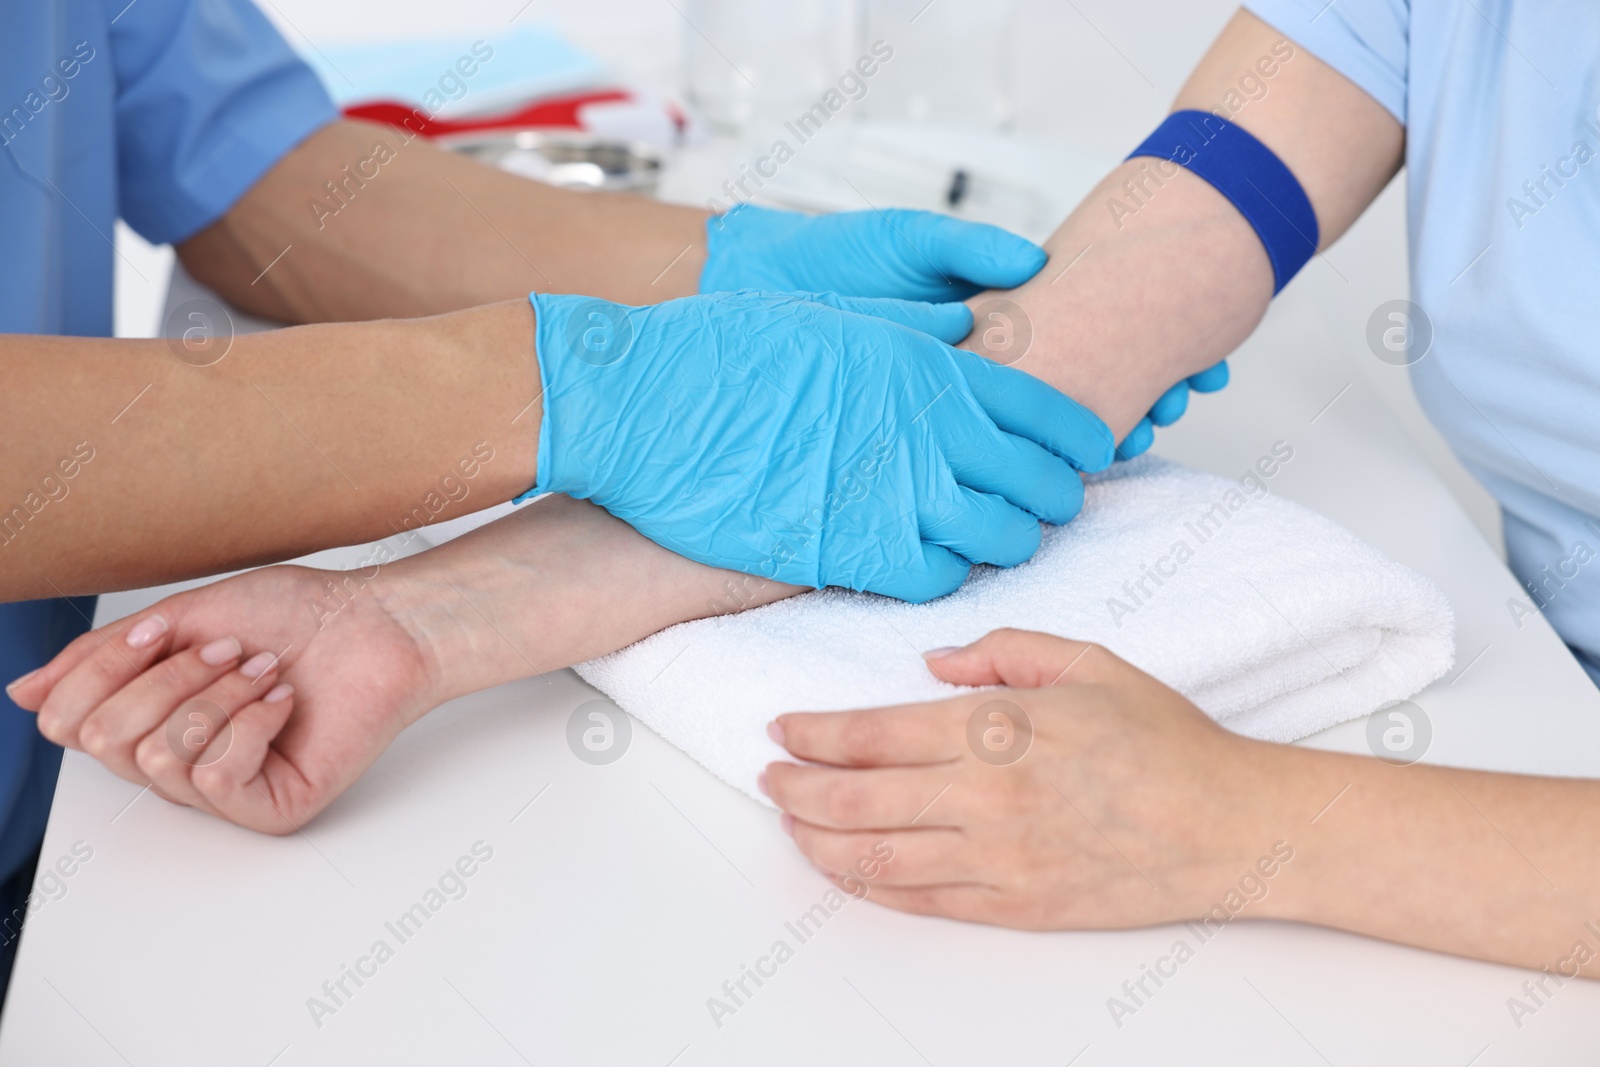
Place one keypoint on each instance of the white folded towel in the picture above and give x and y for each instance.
(1274, 620)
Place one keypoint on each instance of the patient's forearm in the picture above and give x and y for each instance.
(1152, 281)
(557, 582)
(1118, 316)
(1128, 305)
(1467, 862)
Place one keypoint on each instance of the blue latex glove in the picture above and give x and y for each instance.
(910, 255)
(812, 439)
(1170, 408)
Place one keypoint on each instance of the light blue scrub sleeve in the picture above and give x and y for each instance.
(1365, 40)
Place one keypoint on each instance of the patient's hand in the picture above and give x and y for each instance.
(233, 699)
(557, 582)
(1112, 810)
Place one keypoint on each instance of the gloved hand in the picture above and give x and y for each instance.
(812, 439)
(1170, 408)
(910, 255)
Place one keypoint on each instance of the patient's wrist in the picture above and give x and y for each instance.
(1305, 799)
(557, 582)
(1251, 834)
(442, 633)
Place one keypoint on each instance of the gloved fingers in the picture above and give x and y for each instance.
(960, 251)
(1211, 379)
(979, 527)
(1021, 473)
(939, 573)
(1138, 441)
(1023, 405)
(949, 322)
(1170, 408)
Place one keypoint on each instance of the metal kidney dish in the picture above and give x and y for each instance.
(571, 160)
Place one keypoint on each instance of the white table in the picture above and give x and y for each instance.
(622, 897)
(619, 898)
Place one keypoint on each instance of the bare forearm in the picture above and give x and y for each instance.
(1465, 862)
(408, 229)
(291, 441)
(1155, 278)
(1118, 315)
(558, 582)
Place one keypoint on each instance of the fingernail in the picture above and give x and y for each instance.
(24, 678)
(279, 693)
(761, 783)
(940, 653)
(146, 632)
(257, 665)
(222, 650)
(787, 822)
(775, 731)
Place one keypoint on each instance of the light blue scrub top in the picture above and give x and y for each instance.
(162, 112)
(1499, 101)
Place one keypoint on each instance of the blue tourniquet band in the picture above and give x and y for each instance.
(1247, 172)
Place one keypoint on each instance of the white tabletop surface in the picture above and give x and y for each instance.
(619, 898)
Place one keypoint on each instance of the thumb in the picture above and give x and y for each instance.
(1021, 659)
(241, 785)
(977, 252)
